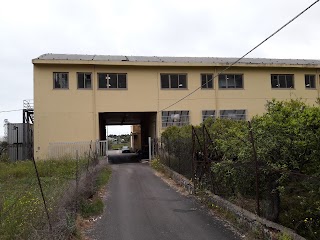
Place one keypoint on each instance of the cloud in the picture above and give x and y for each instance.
(145, 27)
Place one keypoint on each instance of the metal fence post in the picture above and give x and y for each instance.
(77, 178)
(149, 141)
(42, 194)
(256, 168)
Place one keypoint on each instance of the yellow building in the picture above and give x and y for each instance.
(76, 96)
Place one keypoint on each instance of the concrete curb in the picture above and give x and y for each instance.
(247, 220)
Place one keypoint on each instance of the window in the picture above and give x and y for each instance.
(112, 80)
(206, 81)
(230, 81)
(60, 80)
(233, 114)
(282, 81)
(84, 81)
(310, 81)
(208, 114)
(175, 118)
(173, 81)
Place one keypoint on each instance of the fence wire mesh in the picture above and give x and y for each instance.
(64, 182)
(236, 167)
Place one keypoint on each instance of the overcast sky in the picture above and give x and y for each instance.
(208, 28)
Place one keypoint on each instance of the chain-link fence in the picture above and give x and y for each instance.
(40, 199)
(235, 165)
(177, 155)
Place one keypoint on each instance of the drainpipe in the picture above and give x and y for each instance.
(17, 129)
(94, 86)
(318, 83)
(216, 90)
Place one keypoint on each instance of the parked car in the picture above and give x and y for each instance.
(125, 149)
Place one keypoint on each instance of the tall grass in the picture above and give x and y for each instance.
(21, 205)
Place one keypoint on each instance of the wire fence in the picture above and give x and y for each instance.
(40, 199)
(241, 175)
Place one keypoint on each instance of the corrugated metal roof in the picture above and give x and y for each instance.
(199, 60)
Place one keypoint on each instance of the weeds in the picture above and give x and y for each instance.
(94, 205)
(91, 207)
(157, 165)
(21, 205)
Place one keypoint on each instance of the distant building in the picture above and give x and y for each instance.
(76, 96)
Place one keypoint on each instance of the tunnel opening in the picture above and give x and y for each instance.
(143, 125)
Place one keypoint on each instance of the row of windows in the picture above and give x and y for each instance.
(181, 118)
(175, 81)
(105, 80)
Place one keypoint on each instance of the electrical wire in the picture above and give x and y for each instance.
(239, 59)
(16, 110)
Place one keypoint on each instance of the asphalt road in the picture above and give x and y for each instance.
(140, 206)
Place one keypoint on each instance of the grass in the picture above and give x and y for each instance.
(157, 165)
(91, 207)
(118, 146)
(20, 199)
(94, 206)
(103, 178)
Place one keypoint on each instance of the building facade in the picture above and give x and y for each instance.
(76, 96)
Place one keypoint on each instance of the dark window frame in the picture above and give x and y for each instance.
(207, 82)
(310, 81)
(55, 75)
(230, 80)
(171, 79)
(280, 81)
(167, 118)
(208, 114)
(84, 80)
(234, 114)
(108, 76)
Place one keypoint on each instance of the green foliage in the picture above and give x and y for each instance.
(287, 141)
(21, 206)
(157, 165)
(103, 178)
(3, 152)
(91, 207)
(94, 206)
(284, 236)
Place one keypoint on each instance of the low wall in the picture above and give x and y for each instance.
(242, 218)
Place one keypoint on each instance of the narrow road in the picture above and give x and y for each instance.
(140, 206)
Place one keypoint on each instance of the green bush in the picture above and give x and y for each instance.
(287, 141)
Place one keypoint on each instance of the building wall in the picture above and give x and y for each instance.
(72, 115)
(136, 137)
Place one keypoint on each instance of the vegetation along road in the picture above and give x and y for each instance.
(140, 206)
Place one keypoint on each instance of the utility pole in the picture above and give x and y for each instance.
(17, 129)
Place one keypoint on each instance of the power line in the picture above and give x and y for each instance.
(239, 59)
(16, 110)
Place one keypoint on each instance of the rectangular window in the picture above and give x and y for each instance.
(282, 81)
(173, 81)
(60, 80)
(112, 80)
(310, 81)
(230, 81)
(206, 81)
(175, 118)
(208, 114)
(233, 114)
(84, 81)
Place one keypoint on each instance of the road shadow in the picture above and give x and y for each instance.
(124, 158)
